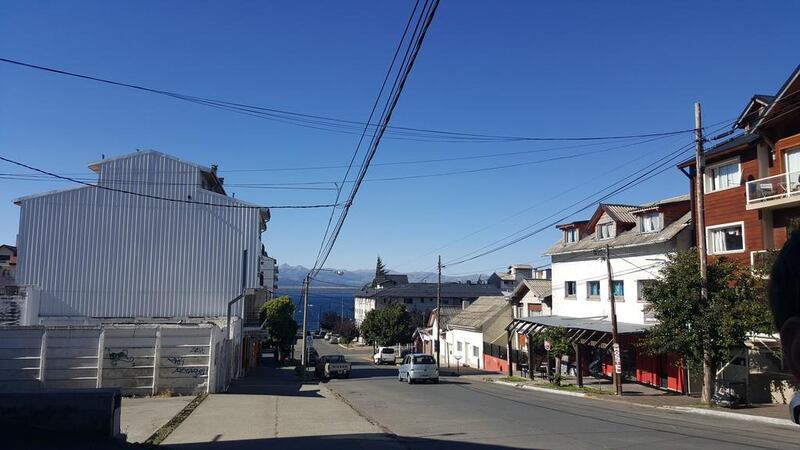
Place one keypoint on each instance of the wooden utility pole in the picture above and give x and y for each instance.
(304, 357)
(438, 311)
(699, 178)
(616, 355)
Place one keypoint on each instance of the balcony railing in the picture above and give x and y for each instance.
(777, 189)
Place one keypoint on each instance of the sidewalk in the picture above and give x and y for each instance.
(271, 407)
(141, 417)
(649, 396)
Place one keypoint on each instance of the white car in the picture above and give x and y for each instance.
(384, 355)
(418, 367)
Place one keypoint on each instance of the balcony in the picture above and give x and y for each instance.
(777, 191)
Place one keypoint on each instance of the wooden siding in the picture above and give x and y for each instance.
(783, 145)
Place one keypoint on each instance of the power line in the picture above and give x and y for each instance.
(400, 82)
(157, 197)
(332, 124)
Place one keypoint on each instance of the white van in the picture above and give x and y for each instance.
(384, 355)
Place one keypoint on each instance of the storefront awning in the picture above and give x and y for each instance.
(592, 331)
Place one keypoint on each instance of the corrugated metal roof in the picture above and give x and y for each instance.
(621, 213)
(538, 287)
(628, 238)
(666, 201)
(601, 324)
(479, 312)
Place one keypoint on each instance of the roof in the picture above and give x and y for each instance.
(600, 323)
(10, 247)
(780, 96)
(730, 144)
(449, 290)
(395, 277)
(95, 165)
(479, 313)
(505, 276)
(521, 266)
(666, 201)
(618, 213)
(627, 238)
(538, 287)
(572, 224)
(764, 98)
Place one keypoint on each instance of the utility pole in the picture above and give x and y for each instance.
(700, 220)
(304, 357)
(438, 310)
(617, 357)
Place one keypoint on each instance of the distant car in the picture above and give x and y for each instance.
(384, 355)
(329, 366)
(418, 367)
(327, 336)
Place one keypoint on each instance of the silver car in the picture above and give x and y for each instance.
(418, 367)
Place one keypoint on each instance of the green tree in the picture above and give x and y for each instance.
(329, 320)
(703, 332)
(346, 328)
(277, 315)
(387, 326)
(380, 269)
(559, 347)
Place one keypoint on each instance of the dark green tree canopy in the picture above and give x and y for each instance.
(387, 326)
(686, 326)
(380, 269)
(277, 315)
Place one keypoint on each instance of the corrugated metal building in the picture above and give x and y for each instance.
(94, 252)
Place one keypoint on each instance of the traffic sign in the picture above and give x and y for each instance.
(309, 341)
(617, 359)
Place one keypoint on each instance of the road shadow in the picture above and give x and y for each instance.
(345, 442)
(270, 379)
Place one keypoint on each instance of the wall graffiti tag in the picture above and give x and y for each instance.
(197, 350)
(120, 357)
(191, 371)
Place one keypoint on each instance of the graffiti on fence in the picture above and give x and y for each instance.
(120, 357)
(197, 350)
(177, 360)
(192, 371)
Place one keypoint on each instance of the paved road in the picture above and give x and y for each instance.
(460, 414)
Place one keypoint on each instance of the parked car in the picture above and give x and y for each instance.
(329, 366)
(384, 355)
(327, 336)
(418, 367)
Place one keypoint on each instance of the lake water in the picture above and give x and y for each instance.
(320, 301)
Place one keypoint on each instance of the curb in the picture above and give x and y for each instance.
(679, 409)
(539, 389)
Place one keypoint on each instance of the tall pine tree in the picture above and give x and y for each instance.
(380, 269)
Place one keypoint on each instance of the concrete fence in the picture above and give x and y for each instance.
(137, 359)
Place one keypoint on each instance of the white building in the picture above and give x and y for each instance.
(95, 253)
(509, 280)
(485, 320)
(640, 237)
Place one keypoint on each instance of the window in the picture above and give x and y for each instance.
(593, 287)
(728, 238)
(605, 230)
(5, 257)
(408, 300)
(640, 286)
(570, 235)
(723, 176)
(650, 222)
(458, 346)
(475, 351)
(570, 288)
(424, 359)
(619, 289)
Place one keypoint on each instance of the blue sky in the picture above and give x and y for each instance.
(516, 68)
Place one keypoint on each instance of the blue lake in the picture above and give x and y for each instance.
(320, 301)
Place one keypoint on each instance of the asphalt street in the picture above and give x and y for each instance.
(459, 414)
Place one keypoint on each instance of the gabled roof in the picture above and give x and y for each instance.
(576, 223)
(480, 312)
(790, 87)
(538, 287)
(666, 201)
(618, 213)
(753, 108)
(10, 247)
(629, 238)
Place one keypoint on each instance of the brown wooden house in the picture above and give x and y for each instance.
(752, 181)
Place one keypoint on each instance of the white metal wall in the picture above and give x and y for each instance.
(98, 253)
(138, 359)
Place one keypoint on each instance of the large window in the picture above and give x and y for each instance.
(459, 346)
(475, 351)
(728, 238)
(723, 176)
(593, 288)
(570, 288)
(605, 230)
(619, 289)
(650, 222)
(570, 235)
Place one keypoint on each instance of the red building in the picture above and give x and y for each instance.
(752, 181)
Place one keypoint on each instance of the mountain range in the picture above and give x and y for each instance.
(291, 276)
